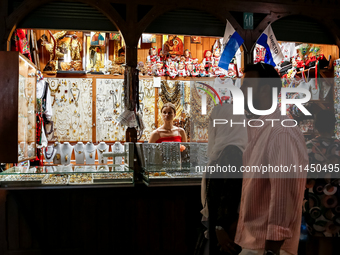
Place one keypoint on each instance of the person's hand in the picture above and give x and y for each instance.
(225, 242)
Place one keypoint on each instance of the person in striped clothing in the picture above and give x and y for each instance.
(270, 210)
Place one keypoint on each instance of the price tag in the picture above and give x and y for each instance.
(157, 82)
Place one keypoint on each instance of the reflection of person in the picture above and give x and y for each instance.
(221, 195)
(321, 195)
(168, 132)
(270, 210)
(97, 39)
(93, 55)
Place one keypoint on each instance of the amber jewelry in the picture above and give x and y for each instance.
(53, 87)
(66, 157)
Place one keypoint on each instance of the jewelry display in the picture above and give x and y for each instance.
(90, 153)
(57, 157)
(49, 153)
(101, 148)
(66, 152)
(199, 122)
(72, 109)
(147, 103)
(108, 107)
(79, 153)
(117, 147)
(26, 113)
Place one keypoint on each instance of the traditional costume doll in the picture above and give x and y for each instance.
(173, 58)
(182, 59)
(216, 57)
(202, 72)
(172, 72)
(160, 70)
(207, 60)
(189, 69)
(152, 56)
(195, 63)
(217, 71)
(149, 67)
(187, 56)
(161, 56)
(181, 70)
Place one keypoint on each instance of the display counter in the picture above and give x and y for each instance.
(66, 177)
(172, 163)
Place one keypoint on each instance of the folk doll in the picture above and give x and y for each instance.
(152, 56)
(187, 56)
(161, 56)
(216, 57)
(207, 60)
(160, 70)
(181, 70)
(202, 72)
(172, 72)
(195, 63)
(189, 69)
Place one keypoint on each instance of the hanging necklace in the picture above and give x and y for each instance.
(79, 151)
(74, 95)
(49, 155)
(101, 151)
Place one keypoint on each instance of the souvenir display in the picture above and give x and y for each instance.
(72, 109)
(101, 148)
(49, 153)
(79, 153)
(66, 152)
(110, 95)
(90, 153)
(51, 179)
(148, 111)
(84, 178)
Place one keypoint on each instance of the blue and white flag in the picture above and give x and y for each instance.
(273, 51)
(231, 42)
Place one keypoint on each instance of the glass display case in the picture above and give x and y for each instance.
(173, 163)
(65, 176)
(18, 102)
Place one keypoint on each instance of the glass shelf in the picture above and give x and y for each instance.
(49, 176)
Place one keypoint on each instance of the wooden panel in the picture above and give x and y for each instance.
(212, 41)
(193, 50)
(187, 42)
(159, 41)
(205, 44)
(111, 49)
(3, 229)
(9, 79)
(199, 52)
(13, 218)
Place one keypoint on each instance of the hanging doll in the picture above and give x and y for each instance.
(207, 60)
(172, 72)
(21, 43)
(160, 70)
(181, 70)
(202, 71)
(152, 56)
(75, 48)
(187, 56)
